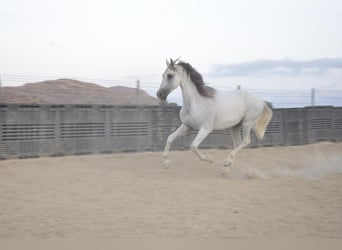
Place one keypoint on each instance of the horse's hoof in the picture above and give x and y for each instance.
(227, 164)
(207, 158)
(166, 164)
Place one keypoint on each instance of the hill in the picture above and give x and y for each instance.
(68, 91)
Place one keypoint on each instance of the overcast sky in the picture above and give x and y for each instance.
(258, 44)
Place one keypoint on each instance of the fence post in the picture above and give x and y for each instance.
(313, 93)
(137, 92)
(0, 89)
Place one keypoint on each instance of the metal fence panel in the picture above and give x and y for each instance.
(337, 124)
(274, 134)
(217, 139)
(294, 126)
(165, 120)
(319, 124)
(128, 129)
(26, 130)
(81, 128)
(52, 130)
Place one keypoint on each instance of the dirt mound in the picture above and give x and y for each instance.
(67, 91)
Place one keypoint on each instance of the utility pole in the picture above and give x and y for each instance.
(0, 89)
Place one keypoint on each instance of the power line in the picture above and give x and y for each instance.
(279, 98)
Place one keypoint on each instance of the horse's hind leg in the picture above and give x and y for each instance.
(246, 139)
(236, 136)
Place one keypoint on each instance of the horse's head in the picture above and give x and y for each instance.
(171, 80)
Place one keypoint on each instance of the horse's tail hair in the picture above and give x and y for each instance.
(262, 122)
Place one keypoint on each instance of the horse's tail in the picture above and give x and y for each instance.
(262, 122)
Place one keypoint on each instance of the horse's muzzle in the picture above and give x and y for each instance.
(162, 94)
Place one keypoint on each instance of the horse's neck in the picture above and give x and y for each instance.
(190, 95)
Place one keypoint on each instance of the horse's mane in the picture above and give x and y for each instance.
(197, 79)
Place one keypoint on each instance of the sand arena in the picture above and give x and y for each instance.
(272, 192)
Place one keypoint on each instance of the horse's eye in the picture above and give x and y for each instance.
(169, 76)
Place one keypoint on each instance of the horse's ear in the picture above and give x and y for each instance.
(172, 62)
(167, 63)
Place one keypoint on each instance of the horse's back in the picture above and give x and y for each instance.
(239, 99)
(252, 101)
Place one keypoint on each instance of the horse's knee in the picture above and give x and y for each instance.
(170, 139)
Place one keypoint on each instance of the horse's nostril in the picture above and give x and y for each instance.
(162, 94)
(159, 94)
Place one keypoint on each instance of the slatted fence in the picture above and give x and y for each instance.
(54, 130)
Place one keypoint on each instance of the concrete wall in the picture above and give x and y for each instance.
(53, 130)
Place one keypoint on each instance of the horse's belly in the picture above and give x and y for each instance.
(192, 122)
(229, 114)
(227, 124)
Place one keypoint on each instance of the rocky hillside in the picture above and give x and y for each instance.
(67, 91)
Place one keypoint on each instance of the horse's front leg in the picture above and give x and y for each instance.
(202, 134)
(181, 131)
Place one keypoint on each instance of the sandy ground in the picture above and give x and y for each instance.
(272, 192)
